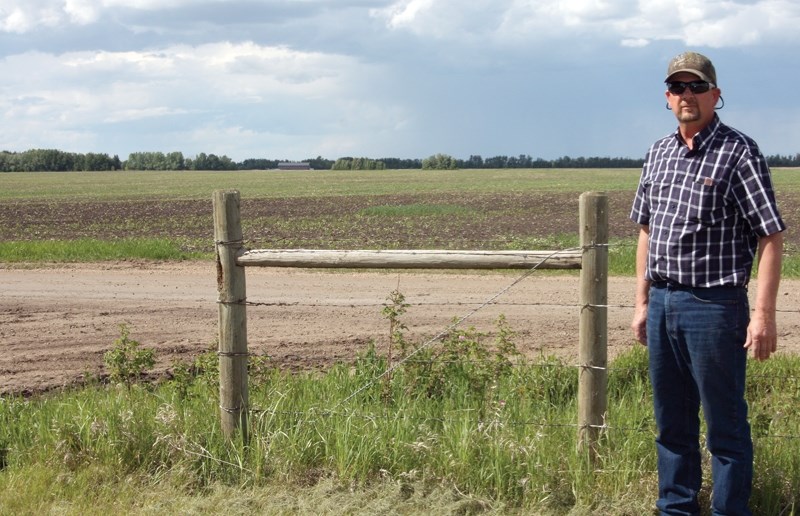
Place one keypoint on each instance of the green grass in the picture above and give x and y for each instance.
(416, 210)
(86, 249)
(455, 434)
(315, 183)
(321, 183)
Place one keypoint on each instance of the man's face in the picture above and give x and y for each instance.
(691, 107)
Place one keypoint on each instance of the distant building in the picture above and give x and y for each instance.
(293, 165)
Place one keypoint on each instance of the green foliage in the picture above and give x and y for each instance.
(358, 164)
(463, 363)
(155, 161)
(126, 361)
(51, 160)
(497, 436)
(205, 161)
(393, 311)
(439, 162)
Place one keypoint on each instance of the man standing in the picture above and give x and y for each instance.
(705, 204)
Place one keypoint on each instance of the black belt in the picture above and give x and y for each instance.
(674, 285)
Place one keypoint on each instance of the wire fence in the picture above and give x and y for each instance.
(339, 410)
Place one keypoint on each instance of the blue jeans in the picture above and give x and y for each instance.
(695, 338)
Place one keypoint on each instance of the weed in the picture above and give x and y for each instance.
(126, 361)
(393, 311)
(182, 379)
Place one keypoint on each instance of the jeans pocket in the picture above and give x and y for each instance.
(720, 309)
(721, 296)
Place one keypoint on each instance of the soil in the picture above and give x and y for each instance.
(56, 322)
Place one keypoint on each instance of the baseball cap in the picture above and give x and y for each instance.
(695, 63)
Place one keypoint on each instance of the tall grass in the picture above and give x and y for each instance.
(495, 432)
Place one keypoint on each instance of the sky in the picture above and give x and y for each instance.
(297, 79)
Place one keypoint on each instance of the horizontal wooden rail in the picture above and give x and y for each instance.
(411, 259)
(591, 258)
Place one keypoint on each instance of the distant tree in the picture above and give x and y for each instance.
(319, 163)
(175, 161)
(257, 164)
(784, 161)
(439, 162)
(398, 163)
(358, 164)
(205, 161)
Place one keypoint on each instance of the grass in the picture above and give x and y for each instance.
(416, 210)
(124, 185)
(455, 433)
(315, 183)
(89, 250)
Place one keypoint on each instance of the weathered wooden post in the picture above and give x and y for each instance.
(233, 397)
(593, 332)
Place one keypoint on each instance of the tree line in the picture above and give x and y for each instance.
(52, 160)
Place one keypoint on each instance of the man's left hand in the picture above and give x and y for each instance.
(762, 336)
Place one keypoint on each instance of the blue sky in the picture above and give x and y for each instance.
(384, 78)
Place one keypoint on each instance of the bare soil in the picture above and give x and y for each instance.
(56, 322)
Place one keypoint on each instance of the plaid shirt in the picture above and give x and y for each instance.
(706, 208)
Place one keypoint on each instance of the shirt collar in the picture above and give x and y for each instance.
(702, 138)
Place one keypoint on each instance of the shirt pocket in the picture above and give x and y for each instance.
(706, 202)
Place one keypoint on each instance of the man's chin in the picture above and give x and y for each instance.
(689, 115)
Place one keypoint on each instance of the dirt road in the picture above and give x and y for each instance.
(57, 321)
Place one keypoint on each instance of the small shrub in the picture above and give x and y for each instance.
(126, 362)
(182, 379)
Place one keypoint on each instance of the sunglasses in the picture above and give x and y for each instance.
(678, 87)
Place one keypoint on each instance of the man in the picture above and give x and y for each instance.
(705, 204)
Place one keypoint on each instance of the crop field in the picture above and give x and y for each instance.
(390, 210)
(411, 209)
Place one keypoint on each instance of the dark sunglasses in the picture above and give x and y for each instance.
(678, 87)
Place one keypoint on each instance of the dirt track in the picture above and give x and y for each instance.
(56, 322)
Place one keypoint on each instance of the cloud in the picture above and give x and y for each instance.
(21, 16)
(296, 78)
(244, 89)
(715, 23)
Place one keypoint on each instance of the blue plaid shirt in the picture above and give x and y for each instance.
(706, 207)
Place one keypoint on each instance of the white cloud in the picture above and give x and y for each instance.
(81, 12)
(716, 23)
(21, 16)
(241, 88)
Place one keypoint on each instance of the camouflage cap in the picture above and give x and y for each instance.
(695, 63)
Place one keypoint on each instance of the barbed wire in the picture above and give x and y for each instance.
(333, 412)
(451, 327)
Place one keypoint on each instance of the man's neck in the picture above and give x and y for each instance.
(690, 129)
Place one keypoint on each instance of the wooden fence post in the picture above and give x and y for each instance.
(233, 396)
(593, 332)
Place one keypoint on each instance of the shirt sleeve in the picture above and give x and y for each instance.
(755, 195)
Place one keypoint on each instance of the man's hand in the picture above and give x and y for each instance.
(639, 324)
(762, 336)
